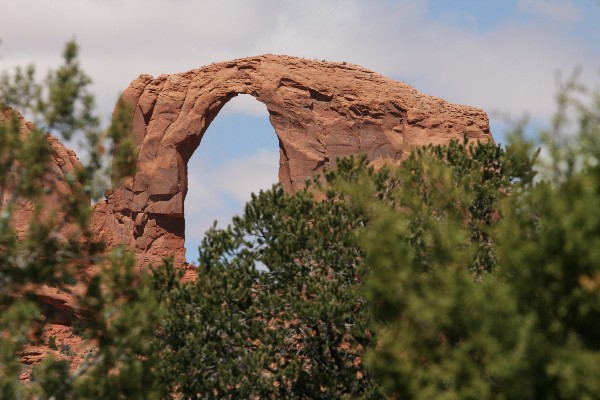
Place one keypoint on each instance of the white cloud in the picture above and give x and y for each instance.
(219, 192)
(244, 104)
(248, 174)
(508, 68)
(200, 194)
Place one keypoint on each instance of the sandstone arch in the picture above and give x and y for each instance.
(319, 110)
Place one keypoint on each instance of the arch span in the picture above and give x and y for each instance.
(319, 111)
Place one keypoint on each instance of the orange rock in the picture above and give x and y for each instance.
(64, 162)
(320, 111)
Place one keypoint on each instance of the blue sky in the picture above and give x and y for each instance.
(499, 55)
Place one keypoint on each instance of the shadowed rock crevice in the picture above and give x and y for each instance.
(319, 111)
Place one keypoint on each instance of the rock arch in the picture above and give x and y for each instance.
(319, 110)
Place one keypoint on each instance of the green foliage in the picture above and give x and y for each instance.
(52, 343)
(78, 326)
(122, 313)
(69, 106)
(274, 312)
(278, 296)
(279, 309)
(20, 90)
(124, 150)
(119, 308)
(39, 255)
(523, 326)
(15, 321)
(67, 350)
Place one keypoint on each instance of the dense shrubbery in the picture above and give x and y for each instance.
(279, 308)
(527, 327)
(274, 312)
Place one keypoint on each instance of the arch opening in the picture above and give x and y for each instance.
(238, 154)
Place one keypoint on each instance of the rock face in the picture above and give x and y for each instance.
(319, 110)
(59, 305)
(63, 162)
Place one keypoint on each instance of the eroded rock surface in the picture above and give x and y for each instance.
(58, 304)
(319, 110)
(63, 162)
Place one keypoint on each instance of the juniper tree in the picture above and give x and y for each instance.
(526, 328)
(274, 311)
(118, 312)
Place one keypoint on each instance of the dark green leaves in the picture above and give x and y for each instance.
(274, 312)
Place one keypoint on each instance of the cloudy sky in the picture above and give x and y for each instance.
(500, 55)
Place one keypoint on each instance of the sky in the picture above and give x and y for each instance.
(500, 55)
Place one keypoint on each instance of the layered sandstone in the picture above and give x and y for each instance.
(319, 110)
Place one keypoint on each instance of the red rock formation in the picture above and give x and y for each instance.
(320, 111)
(64, 162)
(70, 347)
(57, 304)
